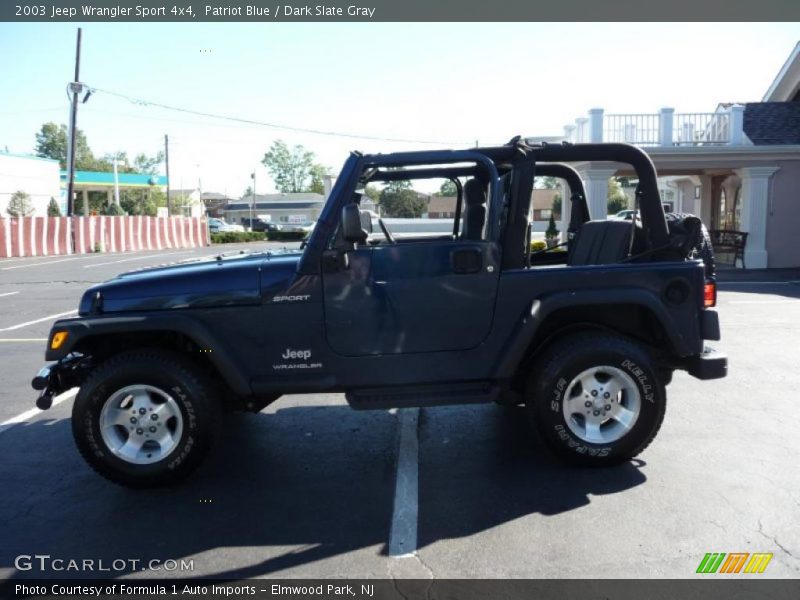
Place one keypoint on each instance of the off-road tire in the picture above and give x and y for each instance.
(561, 364)
(702, 247)
(186, 384)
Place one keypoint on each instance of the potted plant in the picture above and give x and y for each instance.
(551, 235)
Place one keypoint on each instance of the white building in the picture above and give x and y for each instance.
(37, 177)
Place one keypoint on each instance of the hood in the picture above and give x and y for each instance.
(224, 280)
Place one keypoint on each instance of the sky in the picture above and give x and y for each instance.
(431, 85)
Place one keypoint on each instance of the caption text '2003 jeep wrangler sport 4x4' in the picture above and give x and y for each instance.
(586, 336)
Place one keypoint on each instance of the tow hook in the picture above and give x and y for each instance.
(42, 382)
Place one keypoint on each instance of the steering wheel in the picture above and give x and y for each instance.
(386, 232)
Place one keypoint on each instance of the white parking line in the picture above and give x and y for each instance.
(795, 301)
(10, 340)
(403, 534)
(35, 411)
(8, 294)
(113, 262)
(722, 283)
(37, 264)
(47, 318)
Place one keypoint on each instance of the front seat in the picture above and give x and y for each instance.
(474, 210)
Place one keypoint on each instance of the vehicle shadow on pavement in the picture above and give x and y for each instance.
(282, 491)
(482, 466)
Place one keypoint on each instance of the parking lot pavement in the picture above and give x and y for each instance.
(308, 487)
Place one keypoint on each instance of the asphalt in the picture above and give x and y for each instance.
(307, 487)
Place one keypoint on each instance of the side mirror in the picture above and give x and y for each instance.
(352, 231)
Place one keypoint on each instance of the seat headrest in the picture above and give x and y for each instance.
(474, 194)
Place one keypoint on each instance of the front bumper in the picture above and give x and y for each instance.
(58, 377)
(708, 365)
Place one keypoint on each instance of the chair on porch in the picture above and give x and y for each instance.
(729, 242)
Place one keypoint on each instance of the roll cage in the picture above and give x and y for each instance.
(508, 172)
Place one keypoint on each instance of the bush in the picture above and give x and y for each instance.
(552, 231)
(53, 209)
(538, 245)
(19, 205)
(114, 210)
(236, 237)
(286, 236)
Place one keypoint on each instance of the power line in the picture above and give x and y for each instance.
(148, 103)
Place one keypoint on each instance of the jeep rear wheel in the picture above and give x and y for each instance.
(145, 418)
(596, 399)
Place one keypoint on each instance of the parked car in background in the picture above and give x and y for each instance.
(624, 215)
(216, 225)
(260, 224)
(306, 227)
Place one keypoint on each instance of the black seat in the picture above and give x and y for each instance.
(601, 243)
(474, 210)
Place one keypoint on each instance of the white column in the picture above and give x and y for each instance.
(580, 129)
(566, 208)
(596, 125)
(665, 124)
(755, 202)
(596, 183)
(736, 125)
(702, 206)
(569, 133)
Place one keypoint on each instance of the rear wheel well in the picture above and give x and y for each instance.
(634, 321)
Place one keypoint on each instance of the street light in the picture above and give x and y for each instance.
(253, 200)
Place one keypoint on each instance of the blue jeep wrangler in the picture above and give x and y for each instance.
(586, 336)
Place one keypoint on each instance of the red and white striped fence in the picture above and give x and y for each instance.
(46, 236)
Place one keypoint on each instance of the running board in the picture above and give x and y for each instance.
(422, 396)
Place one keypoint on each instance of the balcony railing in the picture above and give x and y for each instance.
(665, 128)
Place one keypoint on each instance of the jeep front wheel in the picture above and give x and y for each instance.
(596, 399)
(145, 418)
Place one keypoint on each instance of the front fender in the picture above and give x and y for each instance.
(81, 329)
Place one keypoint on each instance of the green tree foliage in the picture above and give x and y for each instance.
(148, 165)
(546, 183)
(53, 210)
(114, 210)
(617, 200)
(551, 232)
(372, 192)
(51, 142)
(448, 188)
(401, 202)
(557, 204)
(317, 175)
(294, 169)
(19, 205)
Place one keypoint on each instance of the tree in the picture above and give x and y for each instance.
(19, 205)
(448, 188)
(557, 204)
(403, 202)
(617, 200)
(53, 210)
(318, 173)
(547, 183)
(372, 192)
(290, 168)
(51, 142)
(551, 232)
(147, 165)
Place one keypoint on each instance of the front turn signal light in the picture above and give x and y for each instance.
(710, 293)
(59, 337)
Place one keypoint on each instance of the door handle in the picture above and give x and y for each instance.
(466, 260)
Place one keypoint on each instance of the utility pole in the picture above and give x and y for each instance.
(166, 160)
(76, 88)
(253, 202)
